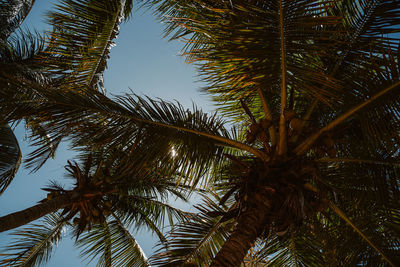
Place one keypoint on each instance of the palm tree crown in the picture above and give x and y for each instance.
(309, 170)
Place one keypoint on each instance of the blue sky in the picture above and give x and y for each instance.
(141, 61)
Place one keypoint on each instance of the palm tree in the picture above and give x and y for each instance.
(92, 26)
(107, 198)
(309, 171)
(35, 243)
(16, 57)
(300, 72)
(75, 57)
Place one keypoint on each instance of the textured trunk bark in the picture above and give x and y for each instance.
(251, 224)
(25, 216)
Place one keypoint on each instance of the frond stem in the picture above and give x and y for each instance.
(120, 224)
(354, 160)
(224, 140)
(303, 147)
(208, 235)
(37, 248)
(305, 119)
(268, 115)
(342, 215)
(282, 146)
(115, 19)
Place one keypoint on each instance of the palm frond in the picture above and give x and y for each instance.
(75, 56)
(80, 42)
(115, 245)
(155, 128)
(239, 47)
(195, 241)
(350, 223)
(10, 156)
(34, 243)
(18, 58)
(303, 147)
(369, 25)
(148, 212)
(342, 245)
(12, 14)
(368, 197)
(298, 250)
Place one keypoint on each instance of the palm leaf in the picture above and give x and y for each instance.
(10, 156)
(308, 142)
(225, 39)
(148, 212)
(195, 241)
(83, 34)
(297, 250)
(12, 14)
(92, 119)
(75, 57)
(114, 243)
(349, 222)
(34, 243)
(18, 59)
(369, 197)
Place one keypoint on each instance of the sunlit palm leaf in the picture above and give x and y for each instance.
(83, 34)
(235, 62)
(113, 244)
(97, 121)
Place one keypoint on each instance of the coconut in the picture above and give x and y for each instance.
(295, 124)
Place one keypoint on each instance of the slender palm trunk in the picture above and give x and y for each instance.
(25, 216)
(251, 224)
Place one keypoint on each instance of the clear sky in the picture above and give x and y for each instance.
(141, 61)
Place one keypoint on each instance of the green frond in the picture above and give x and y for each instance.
(238, 48)
(19, 66)
(18, 59)
(148, 212)
(155, 128)
(10, 156)
(344, 246)
(12, 14)
(369, 25)
(33, 245)
(298, 250)
(113, 245)
(80, 42)
(368, 198)
(195, 241)
(303, 147)
(341, 214)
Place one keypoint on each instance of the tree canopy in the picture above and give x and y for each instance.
(300, 167)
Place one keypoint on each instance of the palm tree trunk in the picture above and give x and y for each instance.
(28, 215)
(251, 224)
